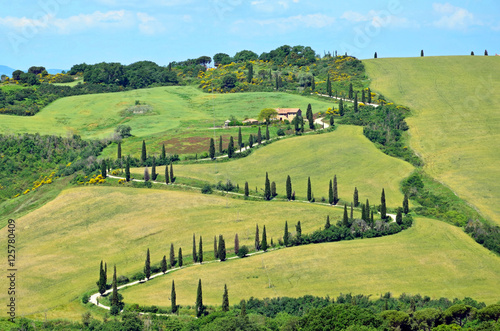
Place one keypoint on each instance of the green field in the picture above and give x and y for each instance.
(180, 116)
(61, 244)
(431, 258)
(456, 122)
(344, 152)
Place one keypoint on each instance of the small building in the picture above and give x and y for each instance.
(250, 121)
(226, 123)
(288, 113)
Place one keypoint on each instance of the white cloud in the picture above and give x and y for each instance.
(453, 17)
(285, 24)
(148, 24)
(379, 18)
(272, 5)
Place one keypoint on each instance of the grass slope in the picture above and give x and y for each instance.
(344, 152)
(61, 244)
(456, 127)
(432, 258)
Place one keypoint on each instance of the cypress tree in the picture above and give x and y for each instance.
(236, 244)
(328, 86)
(363, 96)
(259, 137)
(153, 170)
(167, 177)
(383, 209)
(399, 216)
(143, 152)
(288, 188)
(422, 53)
(369, 95)
(330, 193)
(406, 207)
(367, 210)
(485, 52)
(309, 116)
(472, 53)
(216, 253)
(351, 91)
(243, 305)
(173, 298)
(332, 121)
(250, 141)
(375, 56)
(356, 102)
(267, 190)
(103, 168)
(247, 193)
(301, 125)
(363, 212)
(220, 144)
(240, 139)
(119, 150)
(101, 284)
(298, 229)
(341, 107)
(345, 220)
(180, 263)
(127, 170)
(309, 190)
(172, 256)
(105, 274)
(163, 152)
(355, 197)
(257, 238)
(115, 300)
(195, 257)
(146, 174)
(250, 73)
(267, 133)
(164, 264)
(335, 191)
(225, 299)
(286, 236)
(222, 249)
(327, 224)
(172, 178)
(372, 220)
(211, 150)
(264, 240)
(273, 189)
(147, 266)
(200, 251)
(230, 148)
(313, 84)
(352, 212)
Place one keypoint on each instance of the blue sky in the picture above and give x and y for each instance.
(60, 33)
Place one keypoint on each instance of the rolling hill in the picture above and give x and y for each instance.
(456, 121)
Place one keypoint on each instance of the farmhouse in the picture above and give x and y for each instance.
(250, 121)
(288, 113)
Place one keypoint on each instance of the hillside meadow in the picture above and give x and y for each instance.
(345, 152)
(455, 125)
(431, 258)
(61, 244)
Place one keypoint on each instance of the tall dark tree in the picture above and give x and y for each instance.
(472, 53)
(399, 216)
(247, 191)
(211, 150)
(375, 56)
(352, 212)
(332, 121)
(327, 224)
(172, 178)
(163, 152)
(367, 210)
(273, 189)
(200, 250)
(143, 152)
(164, 264)
(127, 170)
(309, 189)
(257, 238)
(195, 256)
(267, 189)
(356, 102)
(173, 299)
(264, 245)
(309, 115)
(355, 197)
(119, 150)
(259, 137)
(146, 174)
(341, 107)
(328, 86)
(406, 207)
(335, 191)
(345, 220)
(153, 170)
(220, 144)
(298, 229)
(369, 95)
(172, 256)
(313, 84)
(115, 299)
(105, 273)
(351, 91)
(225, 299)
(485, 52)
(288, 188)
(230, 148)
(103, 168)
(330, 193)
(200, 309)
(179, 258)
(221, 250)
(216, 252)
(240, 139)
(286, 235)
(167, 177)
(383, 208)
(243, 311)
(267, 133)
(250, 141)
(250, 73)
(422, 53)
(363, 96)
(236, 244)
(147, 265)
(101, 284)
(363, 212)
(372, 220)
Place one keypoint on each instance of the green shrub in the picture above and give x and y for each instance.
(243, 251)
(206, 189)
